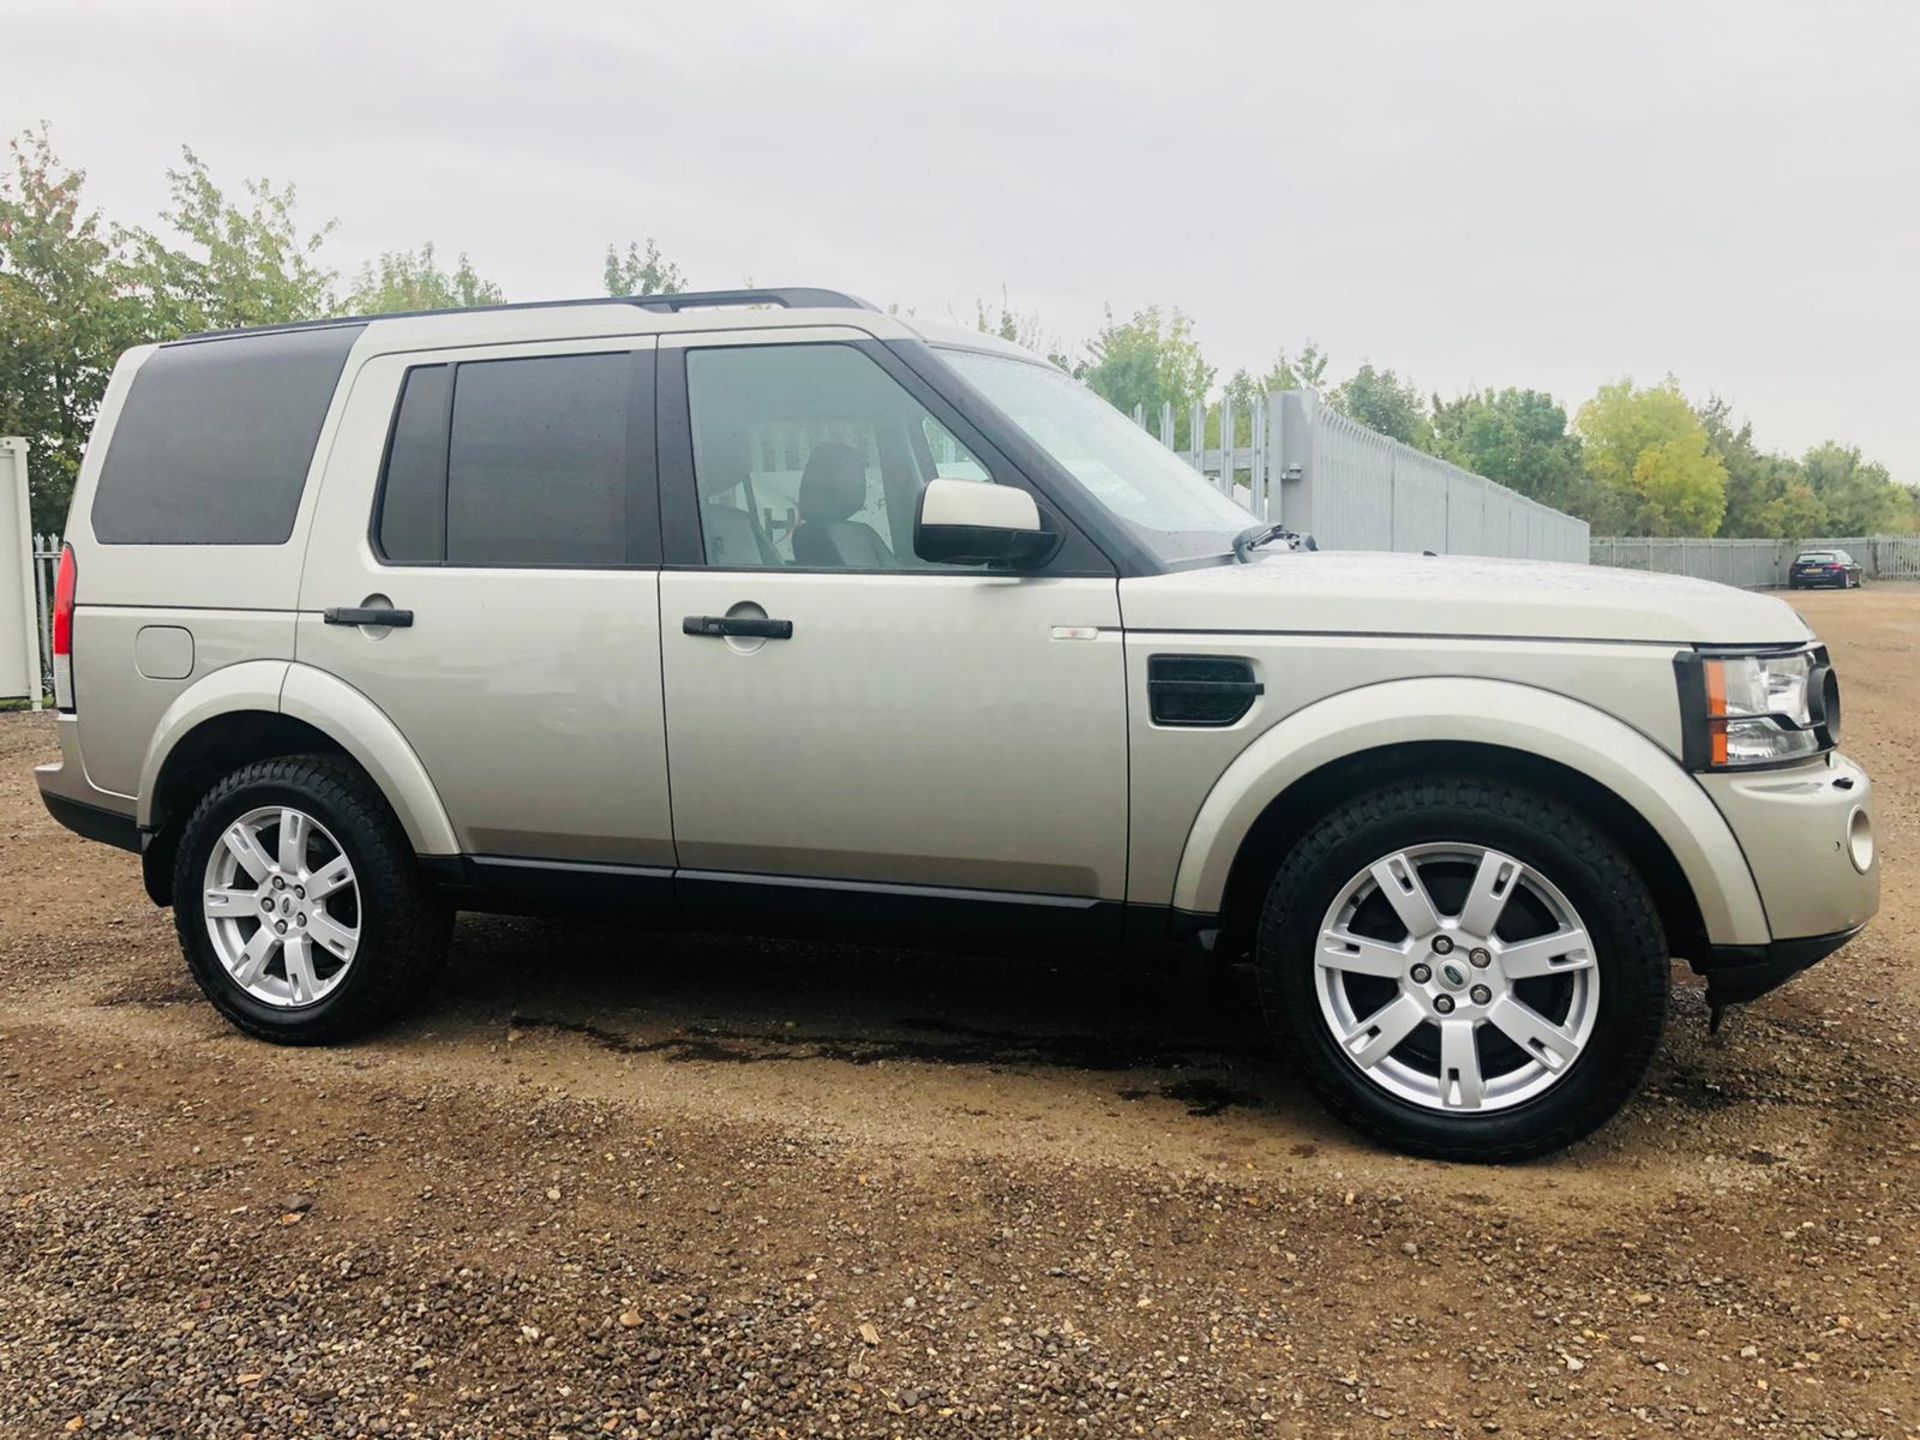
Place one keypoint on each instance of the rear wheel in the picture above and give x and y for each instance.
(1466, 970)
(299, 905)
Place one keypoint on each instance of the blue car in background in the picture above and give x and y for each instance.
(1835, 568)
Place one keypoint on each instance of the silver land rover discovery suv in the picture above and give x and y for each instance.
(765, 610)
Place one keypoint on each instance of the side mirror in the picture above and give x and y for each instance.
(970, 522)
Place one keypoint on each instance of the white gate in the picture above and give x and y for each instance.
(20, 664)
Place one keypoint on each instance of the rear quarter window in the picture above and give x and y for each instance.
(216, 437)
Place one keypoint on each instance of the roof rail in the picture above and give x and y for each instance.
(792, 297)
(789, 297)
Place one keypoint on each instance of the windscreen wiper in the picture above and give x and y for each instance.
(1254, 536)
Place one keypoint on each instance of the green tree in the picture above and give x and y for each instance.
(1648, 451)
(1859, 495)
(1793, 514)
(1906, 512)
(1519, 438)
(1148, 361)
(641, 272)
(68, 307)
(1382, 401)
(402, 280)
(1758, 481)
(244, 264)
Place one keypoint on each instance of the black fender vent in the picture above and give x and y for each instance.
(1200, 690)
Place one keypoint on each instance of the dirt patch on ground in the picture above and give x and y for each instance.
(612, 1184)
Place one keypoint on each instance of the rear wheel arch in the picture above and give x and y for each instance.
(223, 724)
(199, 759)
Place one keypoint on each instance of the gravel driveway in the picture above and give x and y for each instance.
(706, 1187)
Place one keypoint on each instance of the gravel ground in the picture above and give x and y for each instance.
(617, 1185)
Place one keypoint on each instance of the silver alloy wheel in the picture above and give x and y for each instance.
(282, 906)
(1445, 1014)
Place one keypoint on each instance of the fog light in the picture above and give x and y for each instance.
(1860, 841)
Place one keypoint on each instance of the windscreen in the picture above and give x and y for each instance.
(1175, 512)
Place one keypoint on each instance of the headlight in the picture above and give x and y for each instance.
(1756, 710)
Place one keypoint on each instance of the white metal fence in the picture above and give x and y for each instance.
(22, 652)
(1756, 564)
(1318, 472)
(46, 571)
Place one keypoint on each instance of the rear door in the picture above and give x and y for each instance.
(902, 739)
(505, 497)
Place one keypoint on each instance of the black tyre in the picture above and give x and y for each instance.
(299, 906)
(1466, 970)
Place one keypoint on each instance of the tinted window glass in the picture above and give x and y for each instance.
(811, 455)
(215, 439)
(536, 468)
(1169, 506)
(413, 492)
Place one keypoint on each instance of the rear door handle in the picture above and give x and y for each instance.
(746, 625)
(356, 615)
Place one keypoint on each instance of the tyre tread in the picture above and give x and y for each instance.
(415, 922)
(1643, 969)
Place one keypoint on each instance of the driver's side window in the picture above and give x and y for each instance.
(811, 456)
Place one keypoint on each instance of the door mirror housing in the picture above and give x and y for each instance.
(972, 522)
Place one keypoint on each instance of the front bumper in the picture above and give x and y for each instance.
(1808, 835)
(1739, 973)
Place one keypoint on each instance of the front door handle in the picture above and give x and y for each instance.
(364, 615)
(752, 626)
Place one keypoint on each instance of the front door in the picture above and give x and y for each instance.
(881, 735)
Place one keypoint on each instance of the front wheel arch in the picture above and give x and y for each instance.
(1303, 804)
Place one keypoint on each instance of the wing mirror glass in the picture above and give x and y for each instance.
(972, 522)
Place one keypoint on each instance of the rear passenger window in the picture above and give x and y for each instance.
(413, 505)
(536, 471)
(520, 462)
(215, 439)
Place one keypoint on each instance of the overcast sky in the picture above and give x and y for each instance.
(1475, 194)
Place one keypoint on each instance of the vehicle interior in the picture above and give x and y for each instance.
(811, 456)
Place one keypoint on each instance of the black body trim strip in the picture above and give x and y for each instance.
(507, 885)
(94, 823)
(1738, 973)
(922, 916)
(927, 915)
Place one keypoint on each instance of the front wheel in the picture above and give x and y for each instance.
(1467, 970)
(299, 905)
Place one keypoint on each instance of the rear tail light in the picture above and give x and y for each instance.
(64, 587)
